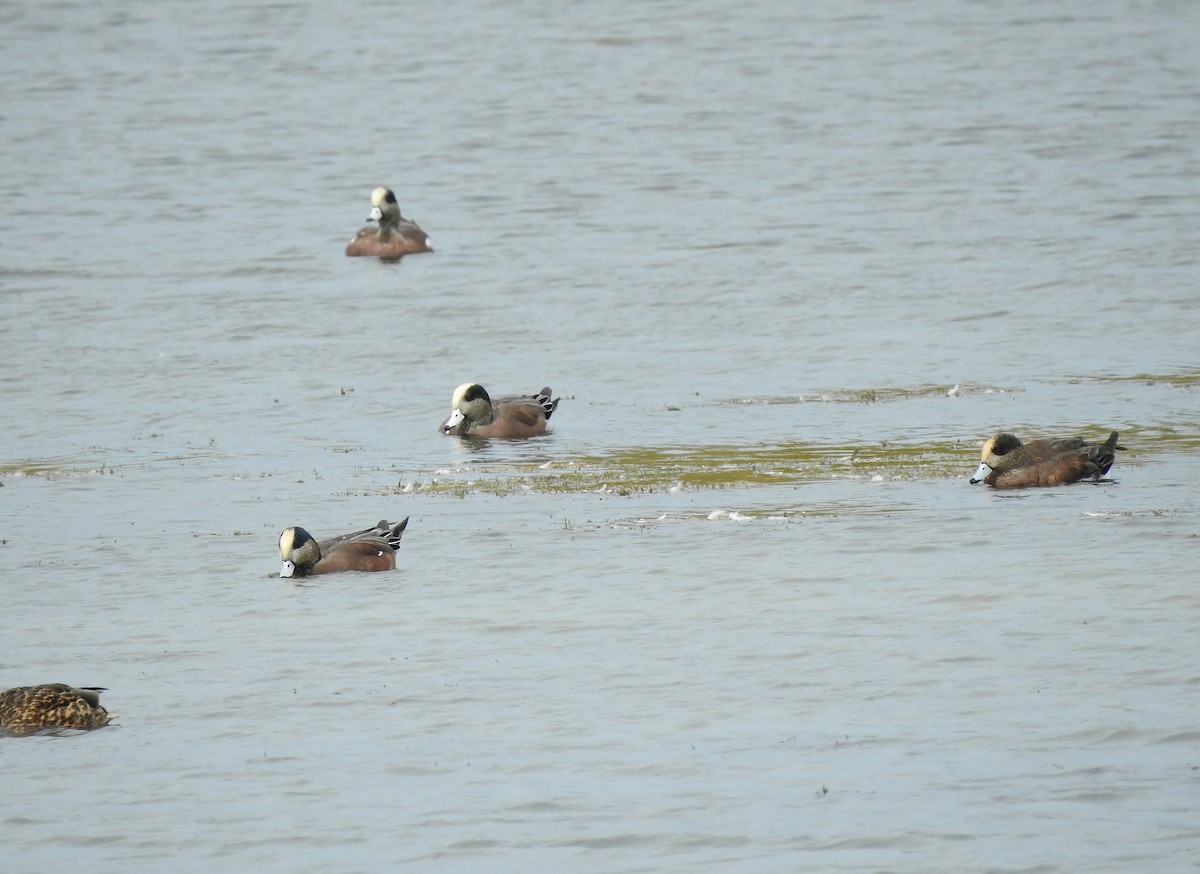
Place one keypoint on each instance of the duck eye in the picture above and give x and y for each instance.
(391, 197)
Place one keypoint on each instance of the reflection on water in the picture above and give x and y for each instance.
(740, 609)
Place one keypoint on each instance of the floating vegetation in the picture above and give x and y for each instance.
(86, 463)
(1185, 378)
(875, 395)
(633, 470)
(638, 469)
(1184, 437)
(52, 467)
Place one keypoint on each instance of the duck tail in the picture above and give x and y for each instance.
(543, 398)
(1105, 454)
(394, 532)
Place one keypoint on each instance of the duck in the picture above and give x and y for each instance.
(474, 414)
(28, 710)
(372, 549)
(395, 237)
(1007, 463)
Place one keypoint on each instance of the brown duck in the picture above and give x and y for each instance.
(1007, 463)
(27, 710)
(474, 414)
(372, 549)
(395, 237)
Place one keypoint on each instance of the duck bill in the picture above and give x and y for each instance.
(980, 473)
(456, 419)
(287, 570)
(376, 214)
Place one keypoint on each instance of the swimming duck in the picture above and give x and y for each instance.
(1007, 463)
(473, 413)
(395, 237)
(372, 549)
(27, 710)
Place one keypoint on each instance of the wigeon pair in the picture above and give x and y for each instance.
(472, 414)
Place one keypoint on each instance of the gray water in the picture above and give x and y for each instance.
(718, 231)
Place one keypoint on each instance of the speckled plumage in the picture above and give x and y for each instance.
(26, 710)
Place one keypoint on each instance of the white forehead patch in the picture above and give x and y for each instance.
(287, 541)
(459, 394)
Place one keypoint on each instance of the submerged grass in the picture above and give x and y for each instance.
(875, 395)
(640, 469)
(84, 464)
(51, 467)
(729, 466)
(1186, 378)
(631, 470)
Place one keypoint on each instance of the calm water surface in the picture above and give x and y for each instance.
(763, 239)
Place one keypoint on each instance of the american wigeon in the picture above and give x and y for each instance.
(27, 710)
(395, 237)
(1007, 463)
(474, 414)
(372, 549)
